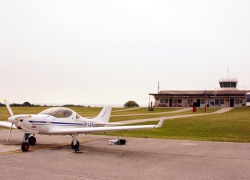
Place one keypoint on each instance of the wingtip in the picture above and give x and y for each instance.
(160, 123)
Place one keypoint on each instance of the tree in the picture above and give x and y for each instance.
(131, 104)
(26, 104)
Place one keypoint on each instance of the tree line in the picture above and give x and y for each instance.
(25, 104)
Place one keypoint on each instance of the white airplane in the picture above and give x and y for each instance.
(63, 121)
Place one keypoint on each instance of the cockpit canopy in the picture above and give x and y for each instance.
(58, 112)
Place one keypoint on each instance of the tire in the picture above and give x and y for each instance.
(25, 146)
(75, 146)
(32, 140)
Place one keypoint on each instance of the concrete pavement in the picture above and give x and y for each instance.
(141, 158)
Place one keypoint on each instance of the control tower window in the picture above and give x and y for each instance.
(228, 84)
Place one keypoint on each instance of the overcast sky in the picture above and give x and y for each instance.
(109, 52)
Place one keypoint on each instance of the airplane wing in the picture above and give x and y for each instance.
(109, 123)
(63, 131)
(7, 124)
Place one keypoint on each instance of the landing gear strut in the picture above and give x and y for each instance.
(75, 143)
(28, 140)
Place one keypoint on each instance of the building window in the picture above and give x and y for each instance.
(221, 101)
(237, 101)
(202, 101)
(217, 102)
(179, 101)
(163, 100)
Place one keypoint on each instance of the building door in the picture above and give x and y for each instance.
(198, 103)
(231, 102)
(170, 102)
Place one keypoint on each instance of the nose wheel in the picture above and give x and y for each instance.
(28, 140)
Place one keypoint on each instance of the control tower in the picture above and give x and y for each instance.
(228, 84)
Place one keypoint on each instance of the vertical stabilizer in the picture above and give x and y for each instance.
(104, 115)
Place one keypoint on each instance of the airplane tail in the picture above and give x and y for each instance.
(104, 115)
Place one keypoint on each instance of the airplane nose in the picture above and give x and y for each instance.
(12, 119)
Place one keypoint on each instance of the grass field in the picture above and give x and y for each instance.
(233, 126)
(143, 110)
(83, 111)
(93, 111)
(151, 114)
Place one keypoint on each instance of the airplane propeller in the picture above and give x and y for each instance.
(9, 132)
(8, 107)
(11, 113)
(14, 119)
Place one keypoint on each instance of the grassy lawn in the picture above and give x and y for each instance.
(148, 114)
(233, 126)
(83, 111)
(94, 111)
(143, 110)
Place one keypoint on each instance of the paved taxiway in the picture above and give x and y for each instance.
(141, 158)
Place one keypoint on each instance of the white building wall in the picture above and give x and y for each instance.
(211, 102)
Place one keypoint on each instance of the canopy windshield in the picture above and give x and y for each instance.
(58, 112)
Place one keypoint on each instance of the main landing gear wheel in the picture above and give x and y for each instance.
(76, 146)
(32, 140)
(25, 146)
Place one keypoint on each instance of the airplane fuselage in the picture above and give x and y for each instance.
(43, 124)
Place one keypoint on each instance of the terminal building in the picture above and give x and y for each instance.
(227, 96)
